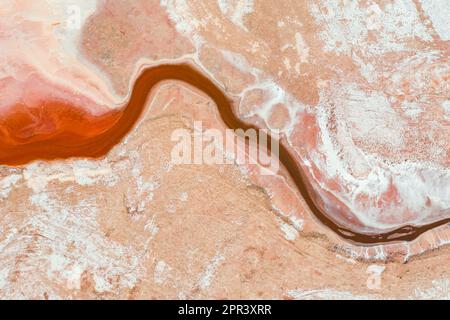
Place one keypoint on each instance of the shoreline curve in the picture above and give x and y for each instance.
(114, 126)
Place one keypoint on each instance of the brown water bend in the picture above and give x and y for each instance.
(69, 143)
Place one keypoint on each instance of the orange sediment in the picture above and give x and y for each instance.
(56, 130)
(52, 130)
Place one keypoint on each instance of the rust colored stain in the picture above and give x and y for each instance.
(57, 131)
(53, 130)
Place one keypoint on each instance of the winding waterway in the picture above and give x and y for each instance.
(83, 135)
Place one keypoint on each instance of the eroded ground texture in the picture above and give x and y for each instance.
(358, 89)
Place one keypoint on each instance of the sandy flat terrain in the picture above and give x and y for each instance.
(358, 90)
